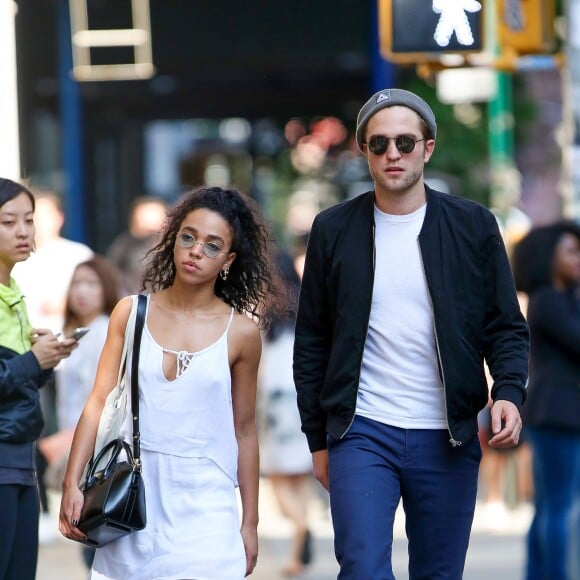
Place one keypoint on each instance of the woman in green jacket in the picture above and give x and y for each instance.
(26, 358)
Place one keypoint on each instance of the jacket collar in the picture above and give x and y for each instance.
(431, 214)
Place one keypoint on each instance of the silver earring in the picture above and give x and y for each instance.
(224, 273)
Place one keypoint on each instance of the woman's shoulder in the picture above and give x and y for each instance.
(245, 331)
(120, 314)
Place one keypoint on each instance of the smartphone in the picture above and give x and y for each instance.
(78, 333)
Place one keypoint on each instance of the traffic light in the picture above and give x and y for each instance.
(414, 31)
(526, 26)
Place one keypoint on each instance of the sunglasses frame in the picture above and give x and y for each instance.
(405, 144)
(204, 245)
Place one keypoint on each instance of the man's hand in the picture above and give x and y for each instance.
(506, 425)
(320, 465)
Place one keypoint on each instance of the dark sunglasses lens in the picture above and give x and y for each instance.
(405, 143)
(378, 144)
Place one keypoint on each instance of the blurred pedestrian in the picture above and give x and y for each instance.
(129, 249)
(26, 359)
(212, 281)
(44, 280)
(53, 261)
(284, 456)
(405, 291)
(92, 295)
(547, 268)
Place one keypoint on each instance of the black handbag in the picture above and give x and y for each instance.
(115, 492)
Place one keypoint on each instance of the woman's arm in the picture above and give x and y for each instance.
(86, 430)
(244, 372)
(556, 316)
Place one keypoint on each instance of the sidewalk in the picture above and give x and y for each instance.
(61, 560)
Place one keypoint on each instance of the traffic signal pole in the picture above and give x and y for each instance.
(500, 126)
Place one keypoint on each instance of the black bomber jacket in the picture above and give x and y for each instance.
(475, 308)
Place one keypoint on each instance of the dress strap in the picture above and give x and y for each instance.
(230, 320)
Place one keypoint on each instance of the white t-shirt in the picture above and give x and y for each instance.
(400, 383)
(75, 375)
(45, 277)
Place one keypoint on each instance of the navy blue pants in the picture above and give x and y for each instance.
(19, 508)
(554, 536)
(371, 469)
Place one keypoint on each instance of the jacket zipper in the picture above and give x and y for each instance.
(366, 336)
(454, 442)
(21, 323)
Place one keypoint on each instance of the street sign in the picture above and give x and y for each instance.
(466, 85)
(421, 30)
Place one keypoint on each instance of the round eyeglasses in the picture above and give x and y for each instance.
(210, 249)
(378, 144)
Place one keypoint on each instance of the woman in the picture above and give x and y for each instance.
(93, 293)
(212, 283)
(547, 268)
(26, 359)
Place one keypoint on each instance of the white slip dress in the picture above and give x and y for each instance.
(189, 453)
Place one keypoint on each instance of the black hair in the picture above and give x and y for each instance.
(10, 189)
(291, 280)
(252, 286)
(533, 256)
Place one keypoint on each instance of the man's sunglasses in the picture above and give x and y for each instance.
(378, 144)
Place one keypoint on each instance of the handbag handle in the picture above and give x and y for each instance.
(139, 323)
(116, 445)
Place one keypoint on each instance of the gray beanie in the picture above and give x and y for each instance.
(390, 98)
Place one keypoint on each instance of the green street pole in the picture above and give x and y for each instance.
(504, 177)
(500, 121)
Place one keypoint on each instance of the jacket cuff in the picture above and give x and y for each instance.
(509, 392)
(26, 365)
(316, 440)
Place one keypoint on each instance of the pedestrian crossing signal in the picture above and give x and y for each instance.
(526, 26)
(414, 31)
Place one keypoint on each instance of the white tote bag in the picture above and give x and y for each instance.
(115, 408)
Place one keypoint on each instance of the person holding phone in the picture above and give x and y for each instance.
(92, 294)
(27, 357)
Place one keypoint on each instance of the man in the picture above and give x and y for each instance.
(405, 291)
(128, 250)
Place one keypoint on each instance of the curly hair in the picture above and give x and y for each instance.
(253, 285)
(533, 256)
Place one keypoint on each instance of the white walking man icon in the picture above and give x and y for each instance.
(454, 19)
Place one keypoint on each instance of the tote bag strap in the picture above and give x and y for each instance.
(139, 323)
(128, 342)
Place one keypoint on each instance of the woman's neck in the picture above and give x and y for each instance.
(5, 272)
(187, 300)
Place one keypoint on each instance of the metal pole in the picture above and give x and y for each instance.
(500, 125)
(72, 135)
(383, 72)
